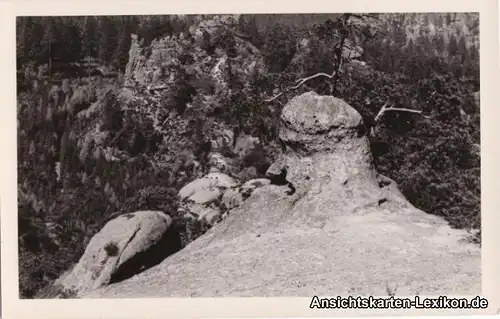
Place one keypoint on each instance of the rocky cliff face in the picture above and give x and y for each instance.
(344, 229)
(159, 63)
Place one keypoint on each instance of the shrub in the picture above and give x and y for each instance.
(257, 158)
(111, 249)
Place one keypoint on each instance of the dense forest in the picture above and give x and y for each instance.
(86, 153)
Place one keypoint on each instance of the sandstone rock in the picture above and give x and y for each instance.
(233, 197)
(219, 163)
(352, 51)
(209, 215)
(248, 173)
(343, 220)
(127, 244)
(222, 138)
(248, 187)
(190, 209)
(256, 183)
(162, 65)
(244, 144)
(135, 62)
(210, 181)
(205, 196)
(194, 211)
(314, 123)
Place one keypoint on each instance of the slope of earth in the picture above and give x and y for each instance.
(346, 229)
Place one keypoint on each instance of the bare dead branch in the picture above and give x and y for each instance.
(385, 109)
(157, 88)
(300, 82)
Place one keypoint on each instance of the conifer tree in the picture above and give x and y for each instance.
(448, 19)
(462, 48)
(439, 43)
(453, 46)
(89, 38)
(49, 41)
(24, 27)
(107, 39)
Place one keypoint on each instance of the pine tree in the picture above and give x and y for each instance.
(439, 43)
(107, 39)
(71, 43)
(89, 40)
(400, 36)
(49, 41)
(448, 19)
(439, 21)
(31, 35)
(453, 46)
(410, 48)
(462, 48)
(23, 39)
(426, 19)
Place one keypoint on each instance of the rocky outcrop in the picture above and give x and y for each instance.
(207, 198)
(222, 138)
(162, 65)
(125, 246)
(345, 230)
(234, 197)
(200, 198)
(244, 144)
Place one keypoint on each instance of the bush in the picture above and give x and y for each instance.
(111, 249)
(257, 158)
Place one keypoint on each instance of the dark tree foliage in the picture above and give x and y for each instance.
(279, 47)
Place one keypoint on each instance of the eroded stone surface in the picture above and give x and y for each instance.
(345, 230)
(115, 247)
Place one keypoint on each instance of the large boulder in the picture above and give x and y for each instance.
(345, 229)
(125, 246)
(209, 182)
(200, 198)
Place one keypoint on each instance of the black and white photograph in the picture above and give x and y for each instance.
(248, 155)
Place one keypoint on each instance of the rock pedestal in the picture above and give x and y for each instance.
(345, 230)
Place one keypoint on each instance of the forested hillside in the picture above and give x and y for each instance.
(109, 123)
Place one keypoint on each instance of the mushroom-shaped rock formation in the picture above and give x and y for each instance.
(346, 229)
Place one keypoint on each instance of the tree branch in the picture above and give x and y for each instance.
(397, 109)
(300, 83)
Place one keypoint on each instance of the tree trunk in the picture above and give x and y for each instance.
(50, 58)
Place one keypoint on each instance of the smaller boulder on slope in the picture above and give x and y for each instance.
(125, 245)
(210, 181)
